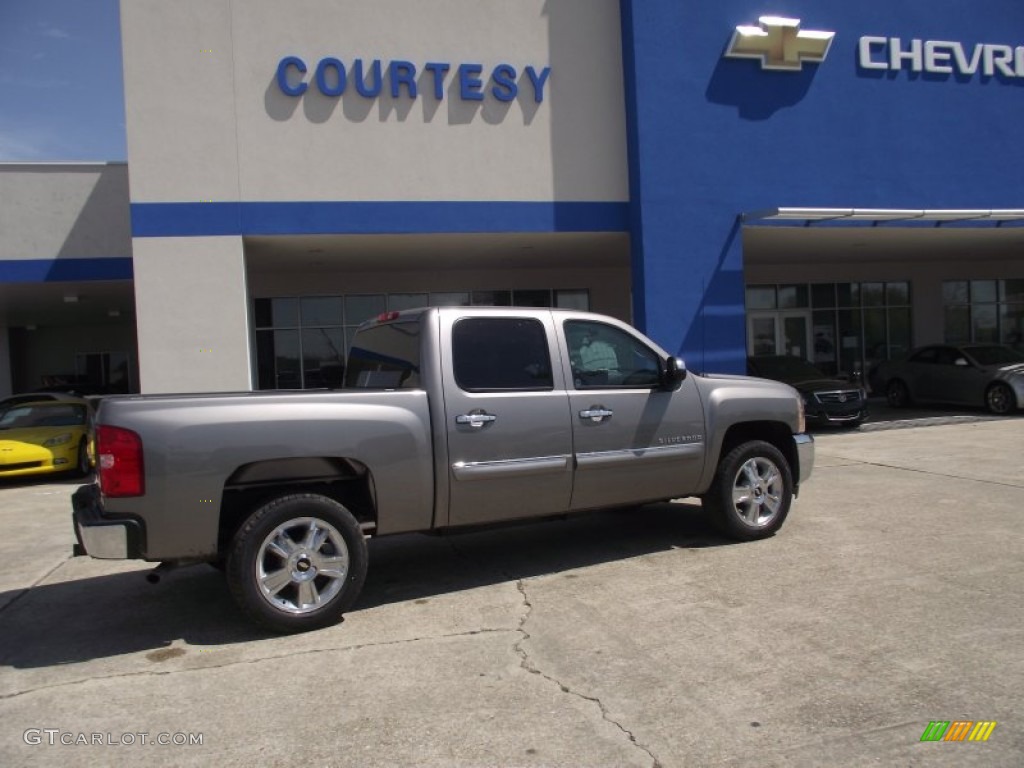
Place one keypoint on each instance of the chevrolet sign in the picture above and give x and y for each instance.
(779, 43)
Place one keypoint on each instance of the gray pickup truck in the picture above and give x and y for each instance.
(449, 418)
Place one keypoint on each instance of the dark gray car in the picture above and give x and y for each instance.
(827, 399)
(988, 375)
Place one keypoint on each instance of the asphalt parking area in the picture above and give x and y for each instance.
(639, 637)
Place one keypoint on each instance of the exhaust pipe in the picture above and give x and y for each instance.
(153, 577)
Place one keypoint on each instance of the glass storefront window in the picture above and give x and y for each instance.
(361, 308)
(323, 357)
(984, 323)
(897, 294)
(847, 295)
(321, 310)
(492, 298)
(276, 313)
(958, 324)
(793, 297)
(875, 336)
(531, 298)
(399, 301)
(824, 334)
(845, 339)
(277, 355)
(954, 292)
(972, 312)
(872, 294)
(1011, 324)
(823, 295)
(849, 340)
(983, 291)
(456, 299)
(1012, 291)
(573, 300)
(763, 329)
(900, 339)
(761, 297)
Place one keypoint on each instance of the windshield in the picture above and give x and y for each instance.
(63, 415)
(783, 368)
(994, 355)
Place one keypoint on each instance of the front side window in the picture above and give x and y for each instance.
(605, 356)
(496, 354)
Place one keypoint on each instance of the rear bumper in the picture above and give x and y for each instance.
(805, 457)
(100, 536)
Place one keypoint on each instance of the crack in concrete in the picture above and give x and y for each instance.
(944, 475)
(34, 584)
(276, 657)
(526, 663)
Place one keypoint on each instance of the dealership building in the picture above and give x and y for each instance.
(839, 181)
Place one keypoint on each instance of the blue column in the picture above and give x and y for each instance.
(686, 242)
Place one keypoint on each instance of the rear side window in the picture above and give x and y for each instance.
(500, 354)
(385, 356)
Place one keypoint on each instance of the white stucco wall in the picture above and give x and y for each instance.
(191, 305)
(207, 121)
(64, 210)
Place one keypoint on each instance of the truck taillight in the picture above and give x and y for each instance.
(119, 462)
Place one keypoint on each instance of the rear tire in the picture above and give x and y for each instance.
(751, 492)
(298, 563)
(1000, 400)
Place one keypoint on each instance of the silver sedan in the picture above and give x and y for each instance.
(989, 375)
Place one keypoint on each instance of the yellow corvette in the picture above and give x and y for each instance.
(41, 437)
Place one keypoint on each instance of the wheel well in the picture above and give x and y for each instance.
(773, 432)
(252, 485)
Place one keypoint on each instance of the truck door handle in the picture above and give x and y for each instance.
(596, 414)
(475, 420)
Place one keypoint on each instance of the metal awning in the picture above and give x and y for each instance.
(878, 215)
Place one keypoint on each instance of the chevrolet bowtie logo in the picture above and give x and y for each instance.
(779, 43)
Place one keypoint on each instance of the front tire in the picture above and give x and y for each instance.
(752, 491)
(1000, 400)
(82, 465)
(298, 563)
(897, 394)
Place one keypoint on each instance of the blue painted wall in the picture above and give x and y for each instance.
(711, 138)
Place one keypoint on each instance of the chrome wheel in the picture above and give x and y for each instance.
(302, 565)
(751, 493)
(757, 492)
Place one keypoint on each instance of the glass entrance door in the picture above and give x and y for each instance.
(779, 333)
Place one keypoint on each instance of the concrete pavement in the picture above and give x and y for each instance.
(889, 599)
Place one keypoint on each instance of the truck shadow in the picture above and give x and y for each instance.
(417, 566)
(112, 615)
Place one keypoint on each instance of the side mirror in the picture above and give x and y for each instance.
(675, 372)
